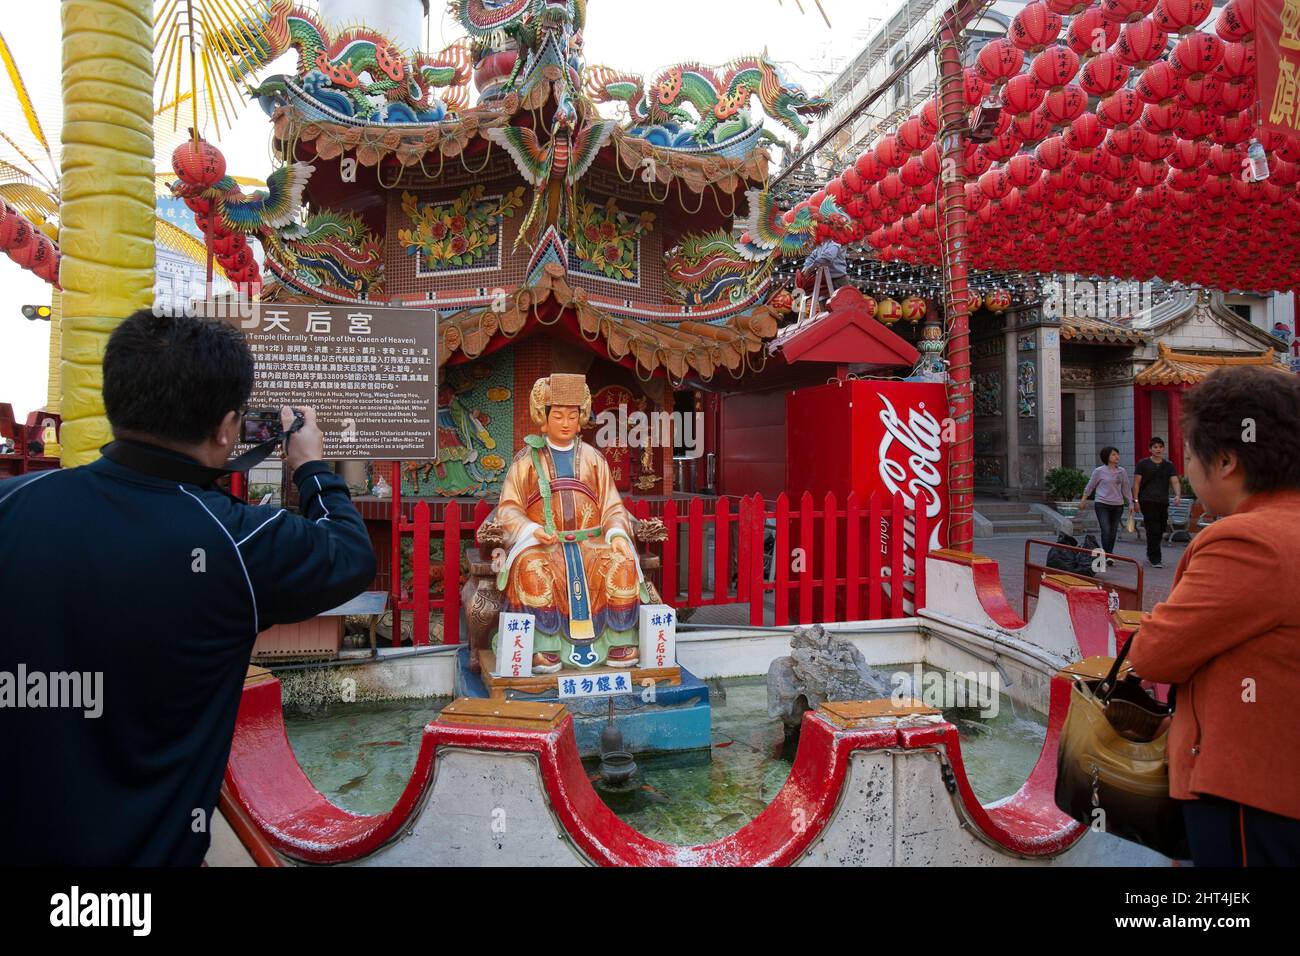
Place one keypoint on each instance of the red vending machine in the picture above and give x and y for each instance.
(873, 437)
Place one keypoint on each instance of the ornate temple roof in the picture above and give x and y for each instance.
(1187, 368)
(1090, 331)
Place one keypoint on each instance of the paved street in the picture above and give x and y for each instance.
(1009, 552)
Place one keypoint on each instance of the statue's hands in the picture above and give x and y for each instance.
(624, 545)
(544, 538)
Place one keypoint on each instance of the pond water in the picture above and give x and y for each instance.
(361, 756)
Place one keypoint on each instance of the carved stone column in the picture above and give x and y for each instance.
(1037, 391)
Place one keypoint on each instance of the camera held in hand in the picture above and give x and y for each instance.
(262, 425)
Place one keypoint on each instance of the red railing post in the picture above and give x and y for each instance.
(395, 570)
(896, 534)
(451, 574)
(757, 530)
(744, 532)
(875, 584)
(668, 589)
(852, 559)
(781, 561)
(830, 515)
(722, 552)
(420, 576)
(694, 552)
(806, 546)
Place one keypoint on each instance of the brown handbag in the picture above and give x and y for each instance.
(1111, 758)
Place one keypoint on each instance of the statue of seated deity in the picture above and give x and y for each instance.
(571, 561)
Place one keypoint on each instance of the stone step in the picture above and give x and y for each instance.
(1018, 527)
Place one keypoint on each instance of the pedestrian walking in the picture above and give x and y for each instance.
(1151, 480)
(1113, 491)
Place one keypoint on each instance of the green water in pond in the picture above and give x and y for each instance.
(361, 756)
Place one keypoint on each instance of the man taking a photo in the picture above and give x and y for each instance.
(1151, 480)
(139, 575)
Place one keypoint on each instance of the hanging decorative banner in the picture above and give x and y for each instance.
(1277, 57)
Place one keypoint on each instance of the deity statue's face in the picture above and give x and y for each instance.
(562, 423)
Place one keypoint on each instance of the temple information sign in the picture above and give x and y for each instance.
(370, 374)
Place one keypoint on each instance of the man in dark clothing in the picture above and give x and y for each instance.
(138, 588)
(1151, 480)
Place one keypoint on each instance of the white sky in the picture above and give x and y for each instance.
(639, 36)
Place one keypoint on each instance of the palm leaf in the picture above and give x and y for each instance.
(195, 46)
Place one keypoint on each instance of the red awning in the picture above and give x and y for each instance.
(847, 334)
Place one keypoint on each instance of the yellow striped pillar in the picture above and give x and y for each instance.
(107, 207)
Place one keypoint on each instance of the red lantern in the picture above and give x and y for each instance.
(1159, 84)
(16, 230)
(1126, 11)
(974, 87)
(889, 152)
(1034, 27)
(998, 61)
(1125, 142)
(1237, 21)
(1233, 98)
(1103, 75)
(1156, 146)
(995, 183)
(1054, 67)
(998, 300)
(975, 197)
(1032, 127)
(977, 160)
(1140, 44)
(1052, 153)
(1090, 33)
(913, 136)
(914, 172)
(913, 308)
(1238, 64)
(930, 115)
(1196, 54)
(1199, 93)
(1023, 169)
(1198, 125)
(1237, 128)
(1022, 95)
(871, 169)
(1064, 105)
(1120, 110)
(198, 165)
(1187, 154)
(1085, 133)
(1181, 16)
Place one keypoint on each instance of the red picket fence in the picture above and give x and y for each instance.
(838, 563)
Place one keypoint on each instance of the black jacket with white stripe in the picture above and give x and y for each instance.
(161, 587)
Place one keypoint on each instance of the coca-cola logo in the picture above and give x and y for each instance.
(919, 435)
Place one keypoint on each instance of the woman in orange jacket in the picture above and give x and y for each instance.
(1229, 634)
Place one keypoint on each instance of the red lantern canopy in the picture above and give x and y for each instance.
(1090, 33)
(1181, 16)
(1140, 44)
(1054, 67)
(1103, 75)
(1034, 27)
(1196, 54)
(1126, 11)
(998, 61)
(1237, 21)
(1120, 110)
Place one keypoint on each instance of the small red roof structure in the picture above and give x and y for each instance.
(848, 333)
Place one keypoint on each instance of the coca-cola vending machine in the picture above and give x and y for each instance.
(881, 437)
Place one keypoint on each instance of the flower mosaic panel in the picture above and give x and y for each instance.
(463, 235)
(606, 242)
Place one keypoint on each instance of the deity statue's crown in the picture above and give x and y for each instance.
(560, 389)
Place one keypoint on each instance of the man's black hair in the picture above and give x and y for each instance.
(174, 376)
(1104, 454)
(1244, 402)
(1153, 442)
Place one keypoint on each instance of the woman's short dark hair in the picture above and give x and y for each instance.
(1104, 454)
(1253, 412)
(175, 376)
